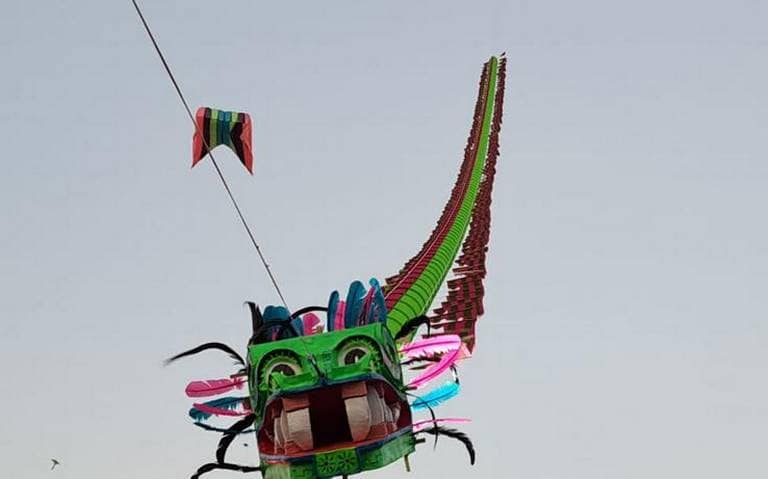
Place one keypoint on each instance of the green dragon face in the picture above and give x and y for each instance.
(329, 404)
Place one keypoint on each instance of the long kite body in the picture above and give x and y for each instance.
(350, 386)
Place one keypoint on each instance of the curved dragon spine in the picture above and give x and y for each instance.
(411, 292)
(463, 304)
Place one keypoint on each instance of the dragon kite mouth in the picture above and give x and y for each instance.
(332, 417)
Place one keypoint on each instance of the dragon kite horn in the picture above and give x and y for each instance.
(217, 127)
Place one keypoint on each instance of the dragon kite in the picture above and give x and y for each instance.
(350, 386)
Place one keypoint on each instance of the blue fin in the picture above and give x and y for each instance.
(272, 313)
(229, 402)
(436, 396)
(378, 309)
(354, 306)
(333, 305)
(298, 325)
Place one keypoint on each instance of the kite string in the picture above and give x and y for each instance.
(210, 154)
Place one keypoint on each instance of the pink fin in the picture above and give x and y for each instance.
(464, 352)
(446, 361)
(213, 387)
(312, 324)
(419, 425)
(367, 301)
(432, 346)
(338, 321)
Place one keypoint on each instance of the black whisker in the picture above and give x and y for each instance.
(223, 465)
(230, 435)
(453, 433)
(421, 359)
(207, 427)
(412, 325)
(431, 413)
(204, 347)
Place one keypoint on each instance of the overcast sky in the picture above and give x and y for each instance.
(625, 331)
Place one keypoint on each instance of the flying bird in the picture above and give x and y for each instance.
(54, 464)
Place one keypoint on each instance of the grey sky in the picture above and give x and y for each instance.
(625, 334)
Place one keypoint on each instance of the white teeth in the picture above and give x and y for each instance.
(279, 437)
(299, 428)
(358, 411)
(368, 416)
(358, 417)
(395, 412)
(390, 419)
(376, 405)
(388, 414)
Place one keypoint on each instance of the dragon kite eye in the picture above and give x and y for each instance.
(352, 355)
(286, 368)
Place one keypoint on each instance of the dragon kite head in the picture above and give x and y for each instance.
(328, 403)
(330, 400)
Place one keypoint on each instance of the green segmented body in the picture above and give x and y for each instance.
(422, 287)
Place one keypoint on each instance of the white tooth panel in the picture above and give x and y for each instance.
(390, 419)
(376, 405)
(395, 412)
(299, 428)
(279, 436)
(284, 427)
(358, 417)
(388, 414)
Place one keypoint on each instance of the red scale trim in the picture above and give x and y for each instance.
(398, 284)
(463, 305)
